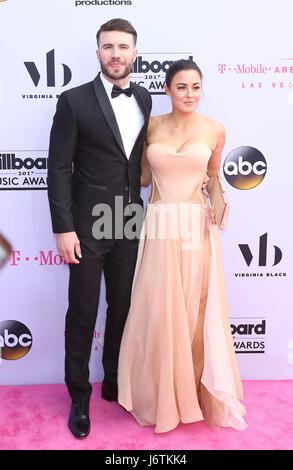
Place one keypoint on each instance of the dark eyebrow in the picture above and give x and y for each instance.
(110, 44)
(195, 83)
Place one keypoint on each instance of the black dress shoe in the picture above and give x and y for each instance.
(109, 391)
(79, 421)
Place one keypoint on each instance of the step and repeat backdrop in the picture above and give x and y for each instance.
(245, 52)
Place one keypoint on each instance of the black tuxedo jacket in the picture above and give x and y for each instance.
(87, 164)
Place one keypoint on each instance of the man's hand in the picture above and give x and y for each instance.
(68, 245)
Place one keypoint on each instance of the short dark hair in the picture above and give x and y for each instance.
(177, 66)
(118, 24)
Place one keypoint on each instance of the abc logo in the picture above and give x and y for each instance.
(15, 340)
(245, 167)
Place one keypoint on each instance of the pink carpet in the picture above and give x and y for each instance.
(35, 418)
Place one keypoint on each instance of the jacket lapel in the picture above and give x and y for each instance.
(107, 111)
(140, 102)
(145, 115)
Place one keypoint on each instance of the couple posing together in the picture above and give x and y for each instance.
(168, 351)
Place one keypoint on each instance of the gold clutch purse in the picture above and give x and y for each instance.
(218, 200)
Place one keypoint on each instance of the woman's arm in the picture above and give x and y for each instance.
(215, 160)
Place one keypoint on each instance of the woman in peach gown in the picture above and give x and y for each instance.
(177, 362)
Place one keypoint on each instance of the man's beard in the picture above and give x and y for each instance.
(123, 73)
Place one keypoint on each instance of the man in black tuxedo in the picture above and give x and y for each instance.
(95, 153)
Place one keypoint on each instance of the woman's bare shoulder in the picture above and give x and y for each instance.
(215, 126)
(155, 122)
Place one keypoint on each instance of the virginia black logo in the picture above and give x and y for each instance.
(262, 253)
(50, 68)
(245, 167)
(15, 340)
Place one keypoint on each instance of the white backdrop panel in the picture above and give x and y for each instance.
(232, 42)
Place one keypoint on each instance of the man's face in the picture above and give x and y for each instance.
(116, 54)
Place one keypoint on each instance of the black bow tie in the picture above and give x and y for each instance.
(116, 91)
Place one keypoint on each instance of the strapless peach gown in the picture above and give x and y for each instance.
(177, 361)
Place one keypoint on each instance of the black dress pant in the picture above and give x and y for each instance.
(117, 259)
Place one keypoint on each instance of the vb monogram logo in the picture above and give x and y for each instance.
(50, 65)
(262, 254)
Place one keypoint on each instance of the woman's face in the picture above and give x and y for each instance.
(185, 90)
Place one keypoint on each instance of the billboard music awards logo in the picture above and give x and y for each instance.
(245, 167)
(149, 69)
(49, 73)
(248, 335)
(15, 340)
(23, 169)
(259, 256)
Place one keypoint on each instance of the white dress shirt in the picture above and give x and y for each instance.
(128, 115)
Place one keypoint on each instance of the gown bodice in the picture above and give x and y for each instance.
(178, 175)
